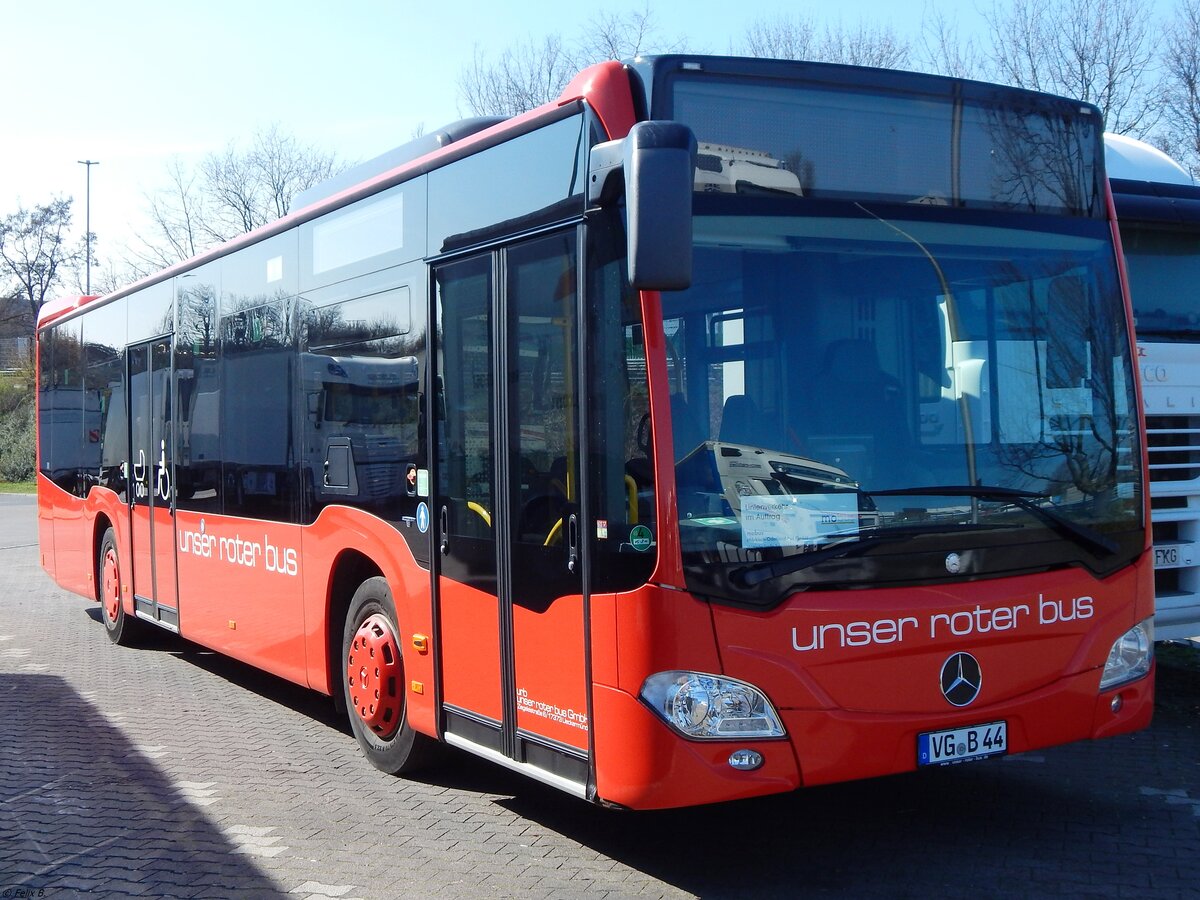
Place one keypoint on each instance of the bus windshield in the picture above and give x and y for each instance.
(1164, 269)
(837, 141)
(869, 371)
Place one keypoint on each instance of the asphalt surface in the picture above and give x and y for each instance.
(169, 771)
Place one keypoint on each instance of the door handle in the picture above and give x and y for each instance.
(572, 543)
(444, 528)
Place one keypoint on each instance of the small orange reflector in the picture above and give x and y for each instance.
(420, 643)
(418, 687)
(232, 625)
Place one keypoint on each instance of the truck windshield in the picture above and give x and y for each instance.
(953, 382)
(1164, 269)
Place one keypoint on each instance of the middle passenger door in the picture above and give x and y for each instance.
(506, 507)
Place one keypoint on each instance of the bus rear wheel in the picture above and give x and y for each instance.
(120, 628)
(373, 684)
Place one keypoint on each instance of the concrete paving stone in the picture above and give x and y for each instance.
(1141, 881)
(1165, 884)
(1166, 894)
(127, 888)
(74, 883)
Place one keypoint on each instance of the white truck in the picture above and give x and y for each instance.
(1158, 208)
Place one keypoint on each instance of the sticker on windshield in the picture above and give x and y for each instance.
(775, 521)
(641, 538)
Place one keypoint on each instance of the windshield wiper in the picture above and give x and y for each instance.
(1081, 535)
(757, 573)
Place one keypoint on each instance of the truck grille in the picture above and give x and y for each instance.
(1174, 447)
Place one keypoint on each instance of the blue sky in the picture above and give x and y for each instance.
(132, 83)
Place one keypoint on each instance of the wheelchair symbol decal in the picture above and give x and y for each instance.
(164, 474)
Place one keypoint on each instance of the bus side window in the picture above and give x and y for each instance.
(198, 386)
(107, 432)
(360, 377)
(257, 433)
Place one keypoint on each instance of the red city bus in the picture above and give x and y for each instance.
(725, 427)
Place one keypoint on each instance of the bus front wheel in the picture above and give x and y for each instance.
(120, 628)
(373, 684)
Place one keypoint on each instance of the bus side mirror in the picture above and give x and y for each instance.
(658, 161)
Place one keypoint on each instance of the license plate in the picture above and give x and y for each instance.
(939, 748)
(1173, 556)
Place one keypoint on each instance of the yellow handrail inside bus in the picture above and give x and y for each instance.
(480, 511)
(555, 534)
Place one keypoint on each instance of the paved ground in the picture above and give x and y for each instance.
(168, 771)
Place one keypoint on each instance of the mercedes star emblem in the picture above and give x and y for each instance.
(961, 679)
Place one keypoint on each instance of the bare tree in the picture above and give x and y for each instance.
(865, 45)
(615, 36)
(529, 74)
(800, 36)
(253, 188)
(1099, 51)
(229, 193)
(782, 37)
(35, 253)
(177, 215)
(1181, 61)
(108, 273)
(522, 77)
(944, 51)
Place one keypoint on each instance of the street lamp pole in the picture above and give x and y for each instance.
(88, 220)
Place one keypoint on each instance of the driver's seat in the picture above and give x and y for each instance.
(742, 422)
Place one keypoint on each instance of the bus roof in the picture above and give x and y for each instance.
(604, 85)
(58, 307)
(393, 159)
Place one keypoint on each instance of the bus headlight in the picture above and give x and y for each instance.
(1130, 656)
(711, 706)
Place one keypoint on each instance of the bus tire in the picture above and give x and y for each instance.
(121, 628)
(373, 683)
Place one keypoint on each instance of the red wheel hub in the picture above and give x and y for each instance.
(373, 674)
(110, 585)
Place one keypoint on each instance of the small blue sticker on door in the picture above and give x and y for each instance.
(422, 517)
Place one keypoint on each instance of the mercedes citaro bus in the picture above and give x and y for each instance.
(723, 427)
